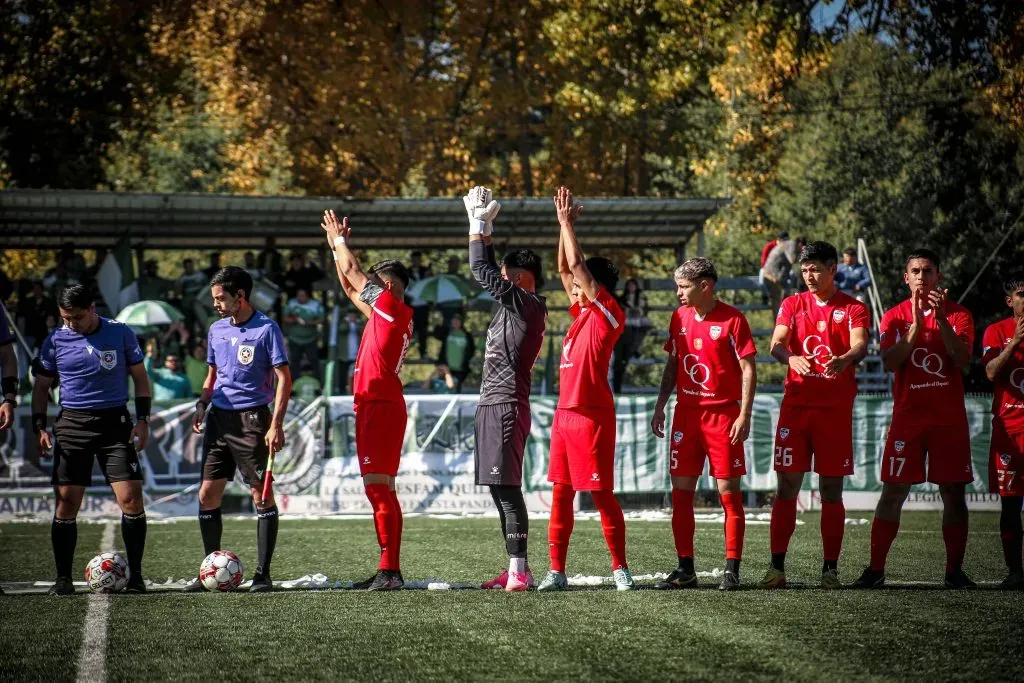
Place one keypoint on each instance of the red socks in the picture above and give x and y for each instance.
(682, 522)
(955, 536)
(614, 525)
(783, 523)
(560, 525)
(883, 533)
(833, 526)
(735, 523)
(387, 520)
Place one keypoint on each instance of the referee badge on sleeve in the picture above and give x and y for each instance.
(245, 354)
(108, 360)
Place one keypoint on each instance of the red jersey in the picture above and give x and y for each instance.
(820, 329)
(382, 349)
(1008, 401)
(587, 350)
(708, 352)
(929, 388)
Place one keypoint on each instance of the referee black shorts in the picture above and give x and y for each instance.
(235, 440)
(84, 435)
(501, 432)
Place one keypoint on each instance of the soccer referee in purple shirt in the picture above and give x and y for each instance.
(246, 354)
(93, 357)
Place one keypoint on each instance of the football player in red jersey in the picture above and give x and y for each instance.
(378, 399)
(1004, 364)
(926, 341)
(820, 334)
(583, 431)
(711, 367)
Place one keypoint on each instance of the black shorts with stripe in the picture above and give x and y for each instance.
(501, 432)
(82, 436)
(235, 440)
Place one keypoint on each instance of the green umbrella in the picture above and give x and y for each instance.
(439, 289)
(149, 313)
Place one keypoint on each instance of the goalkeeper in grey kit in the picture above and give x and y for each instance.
(514, 340)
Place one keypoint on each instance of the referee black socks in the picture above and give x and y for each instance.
(210, 526)
(266, 537)
(64, 537)
(133, 531)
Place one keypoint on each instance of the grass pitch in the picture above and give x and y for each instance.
(913, 630)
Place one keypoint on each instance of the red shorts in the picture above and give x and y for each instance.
(700, 434)
(380, 433)
(583, 449)
(911, 446)
(1006, 462)
(822, 436)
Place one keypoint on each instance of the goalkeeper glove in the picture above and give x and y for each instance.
(481, 209)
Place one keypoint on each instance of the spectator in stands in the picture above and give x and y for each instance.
(349, 334)
(301, 275)
(765, 250)
(301, 317)
(778, 269)
(68, 271)
(452, 308)
(420, 309)
(151, 285)
(174, 340)
(457, 349)
(214, 265)
(270, 263)
(32, 312)
(168, 382)
(852, 277)
(307, 385)
(189, 286)
(634, 305)
(196, 367)
(251, 267)
(441, 381)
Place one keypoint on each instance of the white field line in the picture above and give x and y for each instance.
(92, 657)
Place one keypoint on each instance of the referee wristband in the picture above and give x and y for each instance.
(143, 407)
(38, 422)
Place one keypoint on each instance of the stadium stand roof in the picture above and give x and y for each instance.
(49, 218)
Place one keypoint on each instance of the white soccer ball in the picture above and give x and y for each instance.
(221, 571)
(107, 573)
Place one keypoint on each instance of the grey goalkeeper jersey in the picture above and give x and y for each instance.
(515, 335)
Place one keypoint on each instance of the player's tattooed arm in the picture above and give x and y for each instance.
(995, 366)
(836, 365)
(40, 399)
(350, 274)
(668, 384)
(568, 211)
(740, 429)
(780, 351)
(564, 274)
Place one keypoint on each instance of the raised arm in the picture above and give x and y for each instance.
(352, 277)
(564, 274)
(567, 213)
(482, 209)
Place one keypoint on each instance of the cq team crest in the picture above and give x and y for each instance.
(838, 315)
(821, 325)
(783, 433)
(1005, 459)
(900, 446)
(108, 360)
(716, 332)
(677, 437)
(245, 354)
(698, 344)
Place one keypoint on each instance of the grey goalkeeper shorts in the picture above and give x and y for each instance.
(501, 432)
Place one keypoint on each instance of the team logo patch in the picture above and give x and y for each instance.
(783, 433)
(494, 470)
(698, 344)
(822, 325)
(715, 332)
(246, 354)
(838, 315)
(108, 360)
(677, 437)
(1004, 458)
(900, 445)
(595, 477)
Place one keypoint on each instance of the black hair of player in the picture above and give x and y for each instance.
(75, 296)
(232, 279)
(391, 268)
(604, 271)
(1014, 282)
(850, 251)
(819, 251)
(525, 259)
(925, 254)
